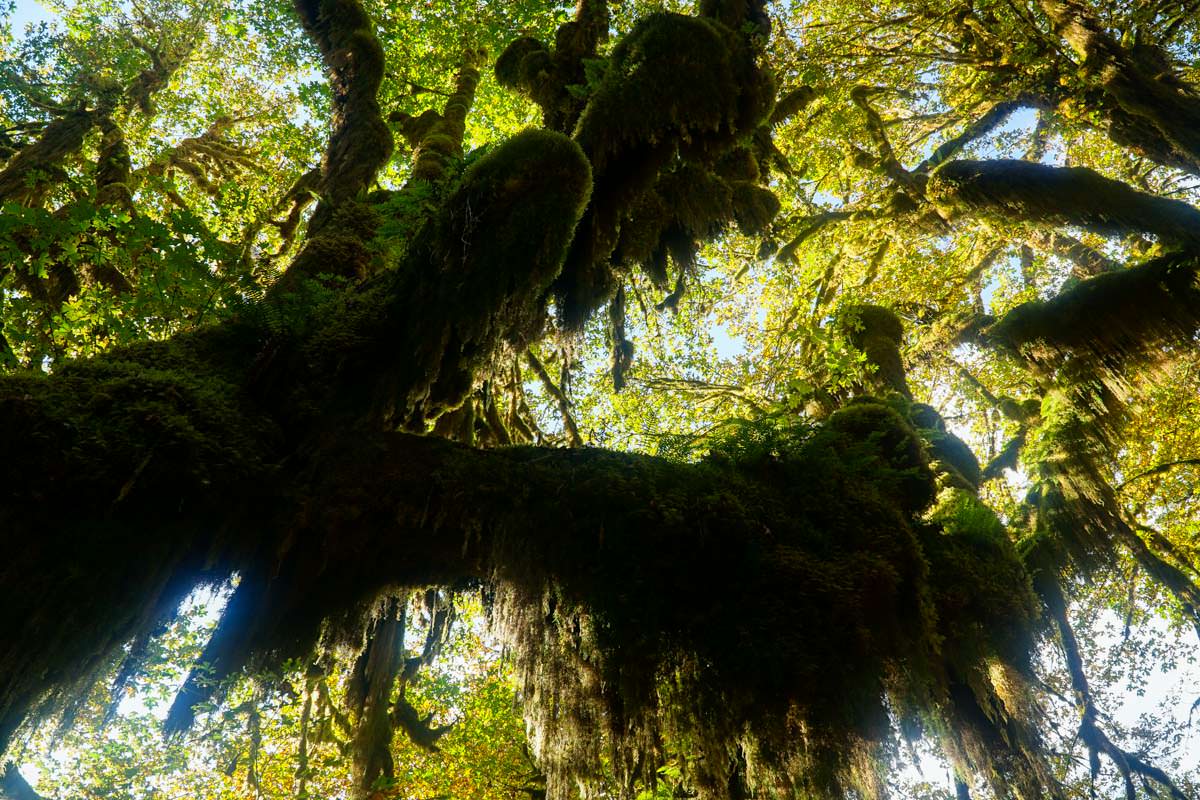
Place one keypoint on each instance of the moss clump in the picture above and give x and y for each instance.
(512, 69)
(904, 468)
(499, 244)
(671, 79)
(754, 207)
(878, 333)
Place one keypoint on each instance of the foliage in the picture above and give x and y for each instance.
(903, 292)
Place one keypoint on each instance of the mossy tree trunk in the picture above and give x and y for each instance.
(268, 446)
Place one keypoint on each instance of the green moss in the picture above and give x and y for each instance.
(700, 202)
(508, 66)
(499, 243)
(739, 164)
(671, 78)
(878, 333)
(904, 466)
(754, 207)
(1110, 320)
(953, 458)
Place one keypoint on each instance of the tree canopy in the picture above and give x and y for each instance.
(789, 384)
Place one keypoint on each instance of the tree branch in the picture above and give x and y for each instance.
(994, 116)
(560, 399)
(1029, 192)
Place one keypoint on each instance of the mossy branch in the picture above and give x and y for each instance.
(1023, 191)
(376, 672)
(560, 399)
(360, 142)
(444, 139)
(1150, 108)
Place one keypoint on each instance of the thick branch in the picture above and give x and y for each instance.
(1150, 108)
(24, 177)
(1027, 192)
(370, 695)
(444, 140)
(1112, 319)
(360, 142)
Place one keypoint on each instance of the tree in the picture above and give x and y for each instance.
(764, 605)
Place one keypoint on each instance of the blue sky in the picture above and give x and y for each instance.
(28, 11)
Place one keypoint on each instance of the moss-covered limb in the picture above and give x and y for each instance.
(791, 104)
(1088, 261)
(677, 93)
(297, 198)
(810, 227)
(148, 450)
(1110, 321)
(681, 538)
(1028, 192)
(1009, 457)
(370, 696)
(166, 58)
(23, 179)
(360, 142)
(560, 399)
(1090, 732)
(1150, 109)
(495, 251)
(444, 139)
(113, 166)
(878, 333)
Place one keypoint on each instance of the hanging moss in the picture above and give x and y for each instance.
(670, 79)
(754, 207)
(1108, 321)
(1032, 192)
(145, 452)
(472, 283)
